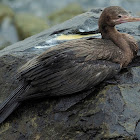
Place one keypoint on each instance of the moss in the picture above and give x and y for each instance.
(5, 11)
(4, 45)
(28, 25)
(66, 13)
(33, 122)
(4, 128)
(37, 137)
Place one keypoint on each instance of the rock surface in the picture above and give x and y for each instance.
(110, 112)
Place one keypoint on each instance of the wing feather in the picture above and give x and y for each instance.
(67, 70)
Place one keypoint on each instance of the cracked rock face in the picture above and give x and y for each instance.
(111, 111)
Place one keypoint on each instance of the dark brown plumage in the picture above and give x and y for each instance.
(75, 65)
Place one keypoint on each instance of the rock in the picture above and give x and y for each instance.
(64, 14)
(110, 112)
(28, 25)
(5, 11)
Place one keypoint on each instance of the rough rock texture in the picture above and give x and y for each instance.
(111, 112)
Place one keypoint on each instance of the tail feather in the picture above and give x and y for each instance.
(11, 103)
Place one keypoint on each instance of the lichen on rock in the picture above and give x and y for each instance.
(111, 111)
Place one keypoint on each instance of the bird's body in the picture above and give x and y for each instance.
(76, 65)
(70, 69)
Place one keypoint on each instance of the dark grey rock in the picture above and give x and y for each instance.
(111, 111)
(137, 130)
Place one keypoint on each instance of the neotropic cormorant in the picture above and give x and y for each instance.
(76, 65)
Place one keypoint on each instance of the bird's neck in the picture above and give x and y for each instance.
(125, 42)
(116, 37)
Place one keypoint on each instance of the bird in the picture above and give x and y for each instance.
(76, 65)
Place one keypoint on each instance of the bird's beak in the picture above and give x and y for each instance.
(126, 18)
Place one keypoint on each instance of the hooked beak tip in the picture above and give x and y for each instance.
(125, 19)
(130, 19)
(133, 19)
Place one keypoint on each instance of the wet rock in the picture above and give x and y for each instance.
(64, 14)
(111, 111)
(28, 25)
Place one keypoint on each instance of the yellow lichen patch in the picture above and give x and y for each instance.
(4, 128)
(37, 137)
(75, 36)
(33, 122)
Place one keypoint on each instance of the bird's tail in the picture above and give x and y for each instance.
(11, 103)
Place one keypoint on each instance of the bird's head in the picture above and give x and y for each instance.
(115, 15)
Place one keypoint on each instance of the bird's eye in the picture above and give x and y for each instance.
(119, 16)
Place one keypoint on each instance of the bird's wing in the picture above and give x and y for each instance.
(68, 70)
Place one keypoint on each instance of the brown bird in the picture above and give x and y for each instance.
(76, 65)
